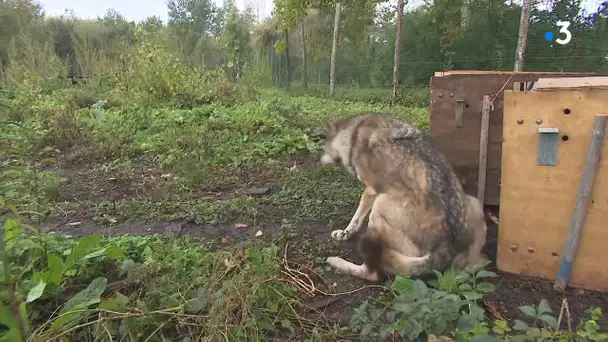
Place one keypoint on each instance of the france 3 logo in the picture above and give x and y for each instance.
(563, 29)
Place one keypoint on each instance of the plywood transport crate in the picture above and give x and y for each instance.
(466, 89)
(546, 136)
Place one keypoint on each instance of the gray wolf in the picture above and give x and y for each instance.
(420, 220)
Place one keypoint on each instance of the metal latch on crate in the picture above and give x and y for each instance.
(459, 113)
(547, 146)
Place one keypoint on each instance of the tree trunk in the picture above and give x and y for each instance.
(304, 66)
(465, 16)
(287, 57)
(397, 50)
(522, 38)
(334, 50)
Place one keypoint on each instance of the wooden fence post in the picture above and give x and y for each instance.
(483, 148)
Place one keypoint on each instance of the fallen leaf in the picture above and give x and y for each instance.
(240, 226)
(493, 309)
(258, 233)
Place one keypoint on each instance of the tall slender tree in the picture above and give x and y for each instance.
(398, 30)
(522, 38)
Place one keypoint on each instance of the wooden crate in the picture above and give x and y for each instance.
(461, 144)
(537, 202)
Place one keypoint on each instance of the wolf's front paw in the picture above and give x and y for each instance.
(340, 234)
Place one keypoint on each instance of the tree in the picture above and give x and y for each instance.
(288, 66)
(15, 15)
(192, 21)
(447, 14)
(522, 37)
(193, 16)
(304, 66)
(290, 12)
(334, 49)
(152, 23)
(397, 49)
(235, 37)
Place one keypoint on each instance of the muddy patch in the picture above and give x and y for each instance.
(234, 232)
(98, 183)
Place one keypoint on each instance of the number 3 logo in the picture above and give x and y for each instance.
(563, 25)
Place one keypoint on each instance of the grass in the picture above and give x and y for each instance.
(80, 154)
(409, 96)
(94, 159)
(206, 149)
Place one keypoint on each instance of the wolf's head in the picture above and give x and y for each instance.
(337, 136)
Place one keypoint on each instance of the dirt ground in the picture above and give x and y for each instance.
(515, 290)
(512, 290)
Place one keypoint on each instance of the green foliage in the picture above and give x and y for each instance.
(450, 307)
(589, 330)
(416, 309)
(235, 38)
(234, 291)
(24, 182)
(16, 15)
(153, 74)
(409, 97)
(443, 35)
(34, 67)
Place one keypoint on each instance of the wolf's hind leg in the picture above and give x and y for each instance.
(359, 271)
(356, 222)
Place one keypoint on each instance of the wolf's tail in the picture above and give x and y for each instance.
(374, 253)
(370, 250)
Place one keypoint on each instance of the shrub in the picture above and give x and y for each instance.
(149, 72)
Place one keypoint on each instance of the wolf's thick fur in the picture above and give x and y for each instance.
(420, 217)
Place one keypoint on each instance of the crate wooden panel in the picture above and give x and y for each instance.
(537, 202)
(461, 144)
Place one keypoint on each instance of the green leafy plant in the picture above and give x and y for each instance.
(24, 180)
(416, 309)
(589, 330)
(152, 73)
(450, 308)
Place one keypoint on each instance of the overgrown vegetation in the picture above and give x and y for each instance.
(449, 307)
(111, 127)
(138, 287)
